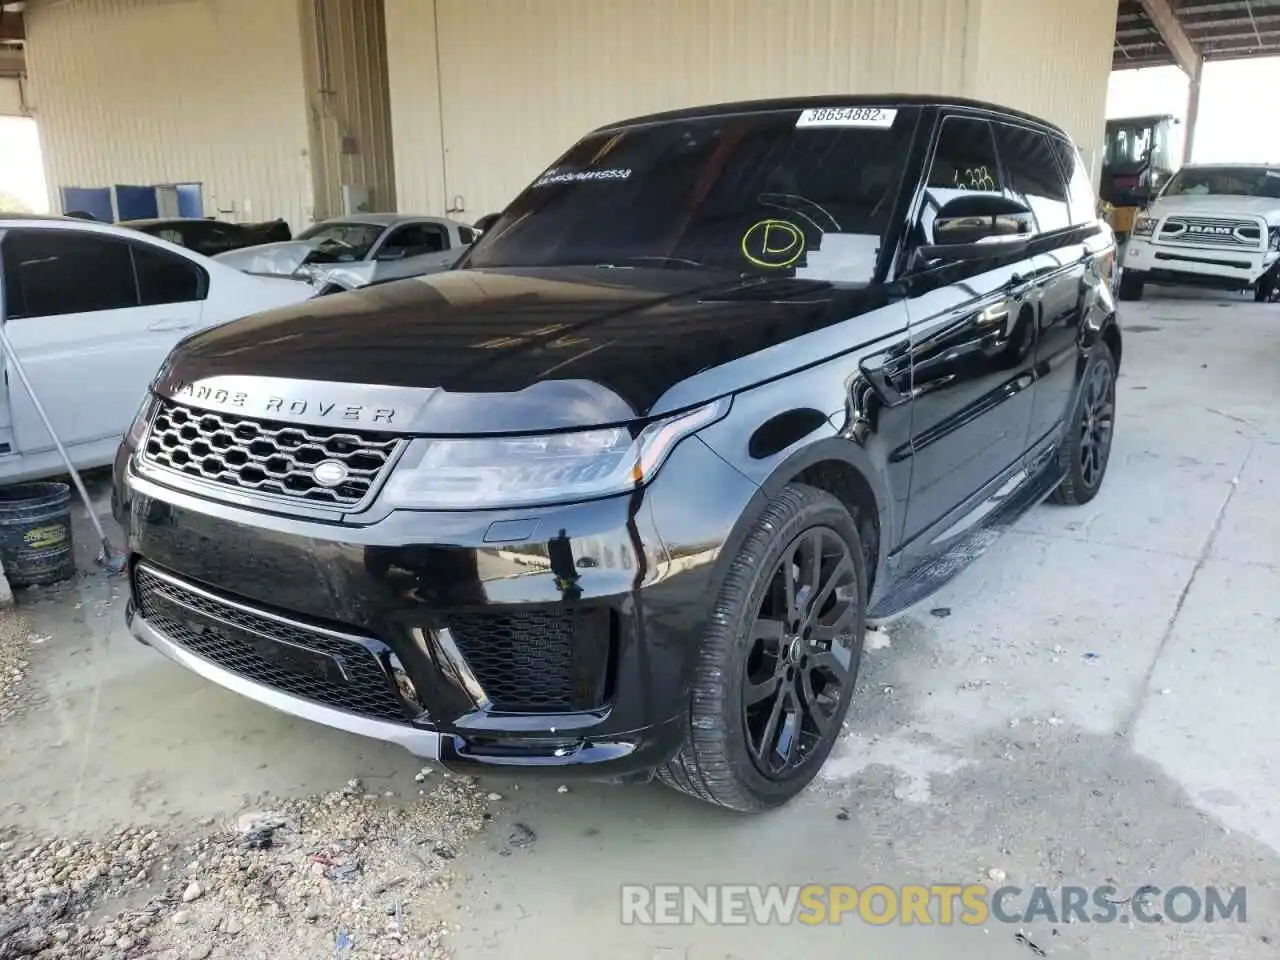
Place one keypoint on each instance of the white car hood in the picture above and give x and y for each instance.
(1217, 205)
(283, 259)
(272, 259)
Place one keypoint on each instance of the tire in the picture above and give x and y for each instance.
(1093, 418)
(1131, 286)
(1265, 289)
(716, 762)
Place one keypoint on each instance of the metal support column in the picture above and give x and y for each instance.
(1193, 109)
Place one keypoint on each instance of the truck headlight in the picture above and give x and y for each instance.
(1144, 226)
(1274, 234)
(484, 472)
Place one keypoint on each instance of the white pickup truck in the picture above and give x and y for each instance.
(92, 311)
(1215, 226)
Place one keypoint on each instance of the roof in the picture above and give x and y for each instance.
(1217, 29)
(1260, 165)
(833, 100)
(373, 219)
(161, 222)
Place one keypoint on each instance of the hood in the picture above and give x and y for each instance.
(271, 259)
(1217, 205)
(483, 351)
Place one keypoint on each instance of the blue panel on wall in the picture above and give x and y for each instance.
(190, 200)
(135, 203)
(95, 201)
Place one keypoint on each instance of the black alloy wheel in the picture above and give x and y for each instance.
(1097, 423)
(777, 663)
(801, 655)
(1086, 450)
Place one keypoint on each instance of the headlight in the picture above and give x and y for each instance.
(482, 472)
(1144, 226)
(141, 419)
(1274, 233)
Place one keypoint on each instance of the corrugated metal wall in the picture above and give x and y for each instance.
(11, 104)
(1052, 59)
(149, 91)
(522, 79)
(345, 60)
(415, 105)
(519, 80)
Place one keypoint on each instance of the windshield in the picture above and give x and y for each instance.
(806, 194)
(1225, 181)
(342, 242)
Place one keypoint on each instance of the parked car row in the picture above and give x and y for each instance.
(125, 294)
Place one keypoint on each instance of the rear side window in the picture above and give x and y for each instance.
(166, 278)
(1082, 206)
(50, 273)
(1034, 178)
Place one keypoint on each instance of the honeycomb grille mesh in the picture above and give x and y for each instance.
(523, 660)
(233, 638)
(265, 457)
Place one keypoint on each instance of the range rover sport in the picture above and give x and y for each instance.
(619, 492)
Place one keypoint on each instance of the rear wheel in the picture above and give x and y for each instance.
(776, 669)
(1087, 448)
(1131, 286)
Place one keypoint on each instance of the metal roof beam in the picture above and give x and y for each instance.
(1165, 20)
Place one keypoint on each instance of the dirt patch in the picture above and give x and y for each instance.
(323, 876)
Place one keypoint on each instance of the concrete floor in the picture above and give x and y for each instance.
(1092, 702)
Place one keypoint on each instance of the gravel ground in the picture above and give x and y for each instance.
(328, 875)
(15, 644)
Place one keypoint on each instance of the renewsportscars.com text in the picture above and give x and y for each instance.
(926, 904)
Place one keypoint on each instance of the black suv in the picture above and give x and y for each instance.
(620, 491)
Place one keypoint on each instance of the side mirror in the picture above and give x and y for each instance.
(982, 225)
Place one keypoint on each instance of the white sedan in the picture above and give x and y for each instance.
(92, 311)
(356, 251)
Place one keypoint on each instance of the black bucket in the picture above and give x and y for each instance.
(35, 533)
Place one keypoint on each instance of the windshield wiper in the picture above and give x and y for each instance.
(630, 263)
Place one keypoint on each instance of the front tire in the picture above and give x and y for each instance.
(776, 668)
(1086, 451)
(1265, 289)
(1131, 286)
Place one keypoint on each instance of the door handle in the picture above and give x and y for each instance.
(161, 326)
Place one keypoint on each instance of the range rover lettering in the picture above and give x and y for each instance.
(623, 488)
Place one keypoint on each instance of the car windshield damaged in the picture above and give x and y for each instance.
(618, 492)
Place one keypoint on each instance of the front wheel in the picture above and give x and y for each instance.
(1086, 450)
(776, 668)
(1132, 286)
(1265, 289)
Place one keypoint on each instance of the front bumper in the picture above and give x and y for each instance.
(1214, 267)
(441, 632)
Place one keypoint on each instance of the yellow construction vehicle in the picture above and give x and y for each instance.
(1137, 161)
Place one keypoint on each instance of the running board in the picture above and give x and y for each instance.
(994, 516)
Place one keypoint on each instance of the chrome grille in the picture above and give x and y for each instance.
(1211, 232)
(266, 457)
